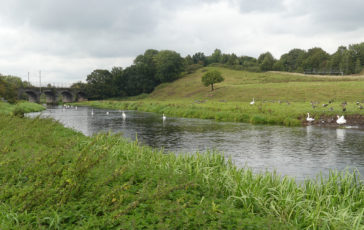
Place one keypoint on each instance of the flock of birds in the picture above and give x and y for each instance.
(340, 119)
(123, 115)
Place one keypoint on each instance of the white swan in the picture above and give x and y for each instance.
(164, 117)
(309, 119)
(341, 120)
(252, 103)
(123, 115)
(92, 112)
(107, 113)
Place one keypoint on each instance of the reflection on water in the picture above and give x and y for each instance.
(300, 152)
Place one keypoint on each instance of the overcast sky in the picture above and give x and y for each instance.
(68, 39)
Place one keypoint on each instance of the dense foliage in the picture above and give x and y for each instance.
(149, 70)
(9, 86)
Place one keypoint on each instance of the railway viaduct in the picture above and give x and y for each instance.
(53, 95)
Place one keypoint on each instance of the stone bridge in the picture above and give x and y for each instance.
(52, 95)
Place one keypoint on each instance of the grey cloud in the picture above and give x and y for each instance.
(260, 5)
(332, 15)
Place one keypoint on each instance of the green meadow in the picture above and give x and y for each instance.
(52, 177)
(280, 98)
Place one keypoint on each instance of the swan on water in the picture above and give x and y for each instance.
(340, 120)
(92, 112)
(252, 103)
(107, 113)
(164, 117)
(123, 115)
(309, 119)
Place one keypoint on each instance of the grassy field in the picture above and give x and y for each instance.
(280, 98)
(52, 177)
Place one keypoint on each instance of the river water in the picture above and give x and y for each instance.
(300, 152)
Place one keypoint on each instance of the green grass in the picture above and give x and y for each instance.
(52, 177)
(23, 106)
(281, 98)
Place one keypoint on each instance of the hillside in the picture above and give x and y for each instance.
(243, 86)
(280, 98)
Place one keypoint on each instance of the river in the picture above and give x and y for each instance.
(299, 152)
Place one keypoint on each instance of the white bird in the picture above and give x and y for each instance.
(123, 115)
(252, 103)
(309, 119)
(76, 107)
(92, 112)
(164, 117)
(341, 120)
(107, 113)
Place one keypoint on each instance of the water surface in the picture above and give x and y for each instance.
(300, 152)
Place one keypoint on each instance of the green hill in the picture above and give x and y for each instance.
(243, 86)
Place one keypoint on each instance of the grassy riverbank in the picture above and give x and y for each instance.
(53, 177)
(280, 98)
(20, 107)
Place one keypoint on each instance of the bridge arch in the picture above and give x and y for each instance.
(51, 97)
(67, 96)
(32, 96)
(81, 96)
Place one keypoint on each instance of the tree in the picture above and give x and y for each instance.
(199, 58)
(169, 65)
(357, 66)
(266, 61)
(100, 84)
(316, 60)
(212, 77)
(9, 86)
(137, 80)
(215, 56)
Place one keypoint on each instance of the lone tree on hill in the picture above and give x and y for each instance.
(212, 77)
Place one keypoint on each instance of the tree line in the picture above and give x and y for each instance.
(155, 67)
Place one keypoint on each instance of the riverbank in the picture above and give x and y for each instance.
(279, 98)
(19, 108)
(53, 177)
(273, 113)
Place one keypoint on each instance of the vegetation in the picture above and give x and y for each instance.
(211, 78)
(281, 98)
(20, 108)
(64, 180)
(9, 86)
(149, 70)
(157, 67)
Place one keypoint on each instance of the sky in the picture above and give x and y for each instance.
(69, 39)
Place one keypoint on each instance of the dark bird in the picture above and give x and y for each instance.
(361, 107)
(324, 105)
(344, 109)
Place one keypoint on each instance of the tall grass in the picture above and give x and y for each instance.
(20, 107)
(53, 177)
